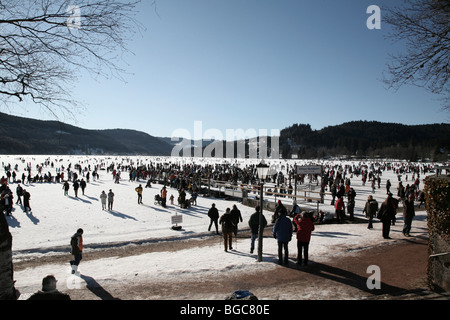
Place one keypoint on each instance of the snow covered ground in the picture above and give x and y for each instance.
(55, 218)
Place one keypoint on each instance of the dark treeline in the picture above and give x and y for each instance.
(367, 139)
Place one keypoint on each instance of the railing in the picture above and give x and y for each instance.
(439, 254)
(238, 190)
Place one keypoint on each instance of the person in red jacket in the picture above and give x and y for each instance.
(305, 226)
(339, 207)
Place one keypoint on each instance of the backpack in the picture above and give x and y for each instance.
(73, 242)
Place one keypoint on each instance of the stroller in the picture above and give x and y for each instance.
(158, 199)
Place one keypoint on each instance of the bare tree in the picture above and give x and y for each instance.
(45, 43)
(424, 27)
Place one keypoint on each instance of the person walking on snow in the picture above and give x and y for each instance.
(26, 201)
(237, 217)
(76, 243)
(213, 215)
(19, 193)
(370, 209)
(253, 223)
(226, 221)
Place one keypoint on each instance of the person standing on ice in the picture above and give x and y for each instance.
(370, 209)
(408, 215)
(110, 199)
(163, 197)
(282, 231)
(386, 214)
(351, 195)
(83, 185)
(103, 198)
(76, 186)
(305, 226)
(139, 193)
(66, 188)
(339, 207)
(76, 243)
(253, 223)
(388, 186)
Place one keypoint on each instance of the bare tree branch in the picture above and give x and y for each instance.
(44, 46)
(423, 25)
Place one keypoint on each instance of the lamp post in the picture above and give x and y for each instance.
(262, 170)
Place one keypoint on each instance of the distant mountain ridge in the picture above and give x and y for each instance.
(20, 135)
(29, 136)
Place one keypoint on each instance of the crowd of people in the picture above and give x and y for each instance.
(336, 179)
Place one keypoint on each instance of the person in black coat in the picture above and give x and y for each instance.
(408, 215)
(226, 221)
(253, 223)
(76, 186)
(26, 201)
(386, 214)
(19, 192)
(213, 214)
(237, 217)
(83, 185)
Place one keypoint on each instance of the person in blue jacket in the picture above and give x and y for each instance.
(282, 231)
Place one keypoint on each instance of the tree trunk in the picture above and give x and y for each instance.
(7, 290)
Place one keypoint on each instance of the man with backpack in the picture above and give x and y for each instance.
(139, 193)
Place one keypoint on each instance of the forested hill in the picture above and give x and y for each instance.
(358, 138)
(367, 138)
(28, 136)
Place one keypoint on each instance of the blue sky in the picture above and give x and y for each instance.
(251, 64)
